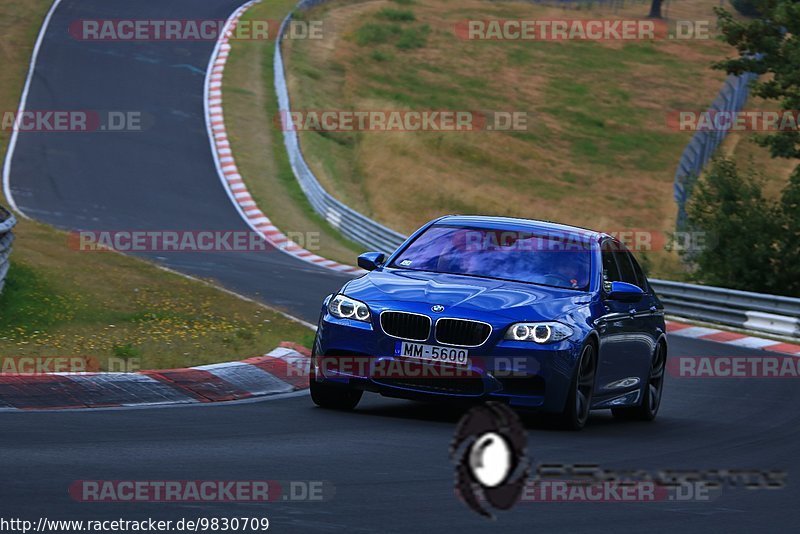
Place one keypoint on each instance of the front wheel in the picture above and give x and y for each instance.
(334, 397)
(651, 394)
(330, 396)
(579, 401)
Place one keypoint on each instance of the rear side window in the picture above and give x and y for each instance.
(639, 273)
(619, 265)
(610, 269)
(627, 274)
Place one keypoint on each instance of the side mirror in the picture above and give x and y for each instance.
(625, 292)
(369, 261)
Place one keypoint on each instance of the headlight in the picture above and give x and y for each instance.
(549, 332)
(347, 308)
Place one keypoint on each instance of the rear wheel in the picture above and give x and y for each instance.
(579, 401)
(651, 393)
(330, 396)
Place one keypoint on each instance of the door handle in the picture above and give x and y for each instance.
(632, 311)
(653, 309)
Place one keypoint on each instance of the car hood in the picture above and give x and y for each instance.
(515, 300)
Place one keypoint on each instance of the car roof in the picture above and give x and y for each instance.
(513, 223)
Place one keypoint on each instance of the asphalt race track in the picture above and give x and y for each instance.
(388, 461)
(103, 181)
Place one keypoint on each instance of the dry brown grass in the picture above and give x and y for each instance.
(742, 147)
(598, 153)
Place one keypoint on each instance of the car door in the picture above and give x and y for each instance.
(620, 351)
(650, 316)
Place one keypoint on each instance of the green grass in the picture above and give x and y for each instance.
(377, 31)
(412, 38)
(104, 305)
(373, 33)
(34, 303)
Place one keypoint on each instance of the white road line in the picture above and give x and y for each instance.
(251, 400)
(695, 331)
(753, 342)
(12, 143)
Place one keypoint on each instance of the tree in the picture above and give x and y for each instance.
(741, 226)
(655, 9)
(756, 241)
(788, 254)
(769, 46)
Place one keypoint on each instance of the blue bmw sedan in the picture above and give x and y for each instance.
(543, 316)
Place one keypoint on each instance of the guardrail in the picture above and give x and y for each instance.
(771, 314)
(762, 313)
(731, 98)
(7, 222)
(349, 222)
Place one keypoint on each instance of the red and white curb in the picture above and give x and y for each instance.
(284, 370)
(226, 165)
(731, 338)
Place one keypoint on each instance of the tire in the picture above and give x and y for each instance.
(579, 400)
(329, 396)
(651, 392)
(334, 397)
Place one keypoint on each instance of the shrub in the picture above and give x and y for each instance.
(377, 55)
(372, 34)
(754, 243)
(397, 15)
(125, 351)
(413, 38)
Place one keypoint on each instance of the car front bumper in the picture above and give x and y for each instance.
(526, 375)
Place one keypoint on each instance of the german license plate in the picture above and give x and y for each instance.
(431, 353)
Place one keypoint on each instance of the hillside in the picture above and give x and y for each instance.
(597, 151)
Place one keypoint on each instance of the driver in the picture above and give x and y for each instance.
(571, 269)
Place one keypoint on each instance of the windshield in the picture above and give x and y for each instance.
(552, 260)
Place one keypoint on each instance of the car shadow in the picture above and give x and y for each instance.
(600, 422)
(452, 412)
